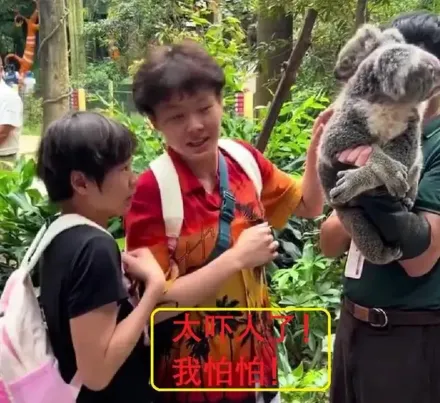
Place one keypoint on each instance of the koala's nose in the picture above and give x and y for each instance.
(337, 74)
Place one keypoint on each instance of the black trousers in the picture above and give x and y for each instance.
(397, 364)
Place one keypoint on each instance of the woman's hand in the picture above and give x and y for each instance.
(142, 265)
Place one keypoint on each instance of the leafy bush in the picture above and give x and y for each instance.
(23, 210)
(226, 42)
(32, 113)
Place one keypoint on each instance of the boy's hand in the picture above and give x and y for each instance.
(142, 265)
(255, 246)
(321, 121)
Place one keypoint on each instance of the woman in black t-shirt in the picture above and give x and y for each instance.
(84, 160)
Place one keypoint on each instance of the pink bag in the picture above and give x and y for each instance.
(28, 368)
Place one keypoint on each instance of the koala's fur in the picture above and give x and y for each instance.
(378, 107)
(366, 39)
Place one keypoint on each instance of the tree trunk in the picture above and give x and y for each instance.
(76, 40)
(215, 13)
(289, 77)
(361, 13)
(53, 60)
(272, 26)
(215, 6)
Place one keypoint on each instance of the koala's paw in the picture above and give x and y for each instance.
(396, 180)
(387, 255)
(345, 187)
(397, 187)
(408, 203)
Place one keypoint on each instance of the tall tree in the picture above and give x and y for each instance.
(274, 38)
(53, 60)
(288, 78)
(76, 39)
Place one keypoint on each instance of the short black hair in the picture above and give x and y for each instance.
(420, 28)
(81, 141)
(184, 68)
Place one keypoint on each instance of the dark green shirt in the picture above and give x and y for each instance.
(388, 286)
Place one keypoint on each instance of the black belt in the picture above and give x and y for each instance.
(378, 317)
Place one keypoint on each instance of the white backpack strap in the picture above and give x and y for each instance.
(47, 234)
(41, 242)
(246, 160)
(170, 194)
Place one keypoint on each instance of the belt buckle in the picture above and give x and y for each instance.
(381, 312)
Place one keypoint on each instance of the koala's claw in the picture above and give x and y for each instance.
(344, 189)
(408, 203)
(400, 169)
(388, 172)
(387, 255)
(397, 185)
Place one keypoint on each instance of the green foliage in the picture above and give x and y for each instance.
(98, 75)
(334, 26)
(304, 278)
(290, 137)
(131, 24)
(226, 42)
(23, 210)
(149, 142)
(12, 37)
(32, 114)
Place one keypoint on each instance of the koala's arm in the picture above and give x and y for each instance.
(404, 149)
(397, 158)
(388, 165)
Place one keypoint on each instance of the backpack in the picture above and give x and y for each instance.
(169, 186)
(29, 370)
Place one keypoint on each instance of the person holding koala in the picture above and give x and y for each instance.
(381, 105)
(389, 329)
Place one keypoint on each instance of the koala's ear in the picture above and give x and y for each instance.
(393, 88)
(364, 35)
(392, 35)
(368, 31)
(357, 48)
(391, 73)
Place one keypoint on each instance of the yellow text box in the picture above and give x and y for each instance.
(215, 309)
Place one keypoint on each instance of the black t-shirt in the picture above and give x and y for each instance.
(81, 271)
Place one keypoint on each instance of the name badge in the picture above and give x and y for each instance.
(355, 262)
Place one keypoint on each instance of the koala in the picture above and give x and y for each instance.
(378, 106)
(366, 39)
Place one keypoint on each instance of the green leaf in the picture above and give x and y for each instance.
(21, 201)
(121, 243)
(298, 372)
(291, 249)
